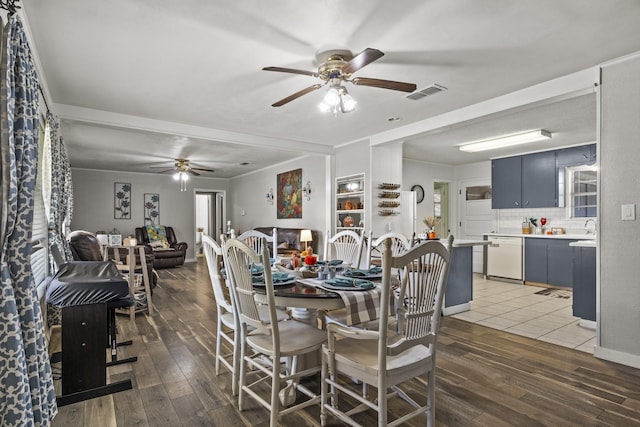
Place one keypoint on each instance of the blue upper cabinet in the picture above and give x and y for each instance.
(582, 155)
(506, 183)
(528, 181)
(539, 180)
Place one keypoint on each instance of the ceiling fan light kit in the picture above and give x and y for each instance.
(336, 67)
(182, 168)
(505, 141)
(337, 100)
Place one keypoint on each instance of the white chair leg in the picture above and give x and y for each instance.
(275, 390)
(382, 407)
(218, 345)
(235, 375)
(323, 391)
(431, 398)
(243, 373)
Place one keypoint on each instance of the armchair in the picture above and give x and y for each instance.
(173, 256)
(85, 247)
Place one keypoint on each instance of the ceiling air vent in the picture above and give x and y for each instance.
(429, 90)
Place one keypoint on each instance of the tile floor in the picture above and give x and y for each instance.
(517, 309)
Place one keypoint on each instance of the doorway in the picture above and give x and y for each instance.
(476, 217)
(209, 216)
(441, 208)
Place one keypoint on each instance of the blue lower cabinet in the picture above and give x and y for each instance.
(584, 283)
(459, 288)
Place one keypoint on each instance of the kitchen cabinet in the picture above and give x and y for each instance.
(584, 283)
(528, 181)
(349, 203)
(506, 183)
(548, 261)
(582, 155)
(539, 180)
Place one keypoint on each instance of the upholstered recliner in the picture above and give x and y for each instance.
(172, 256)
(85, 247)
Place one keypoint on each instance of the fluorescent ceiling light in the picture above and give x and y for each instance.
(505, 141)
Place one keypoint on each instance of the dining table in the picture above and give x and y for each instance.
(309, 297)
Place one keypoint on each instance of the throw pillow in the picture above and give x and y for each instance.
(157, 233)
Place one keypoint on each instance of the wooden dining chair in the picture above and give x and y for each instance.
(385, 358)
(253, 238)
(226, 313)
(400, 243)
(267, 337)
(346, 245)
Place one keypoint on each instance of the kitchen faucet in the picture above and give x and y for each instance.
(587, 228)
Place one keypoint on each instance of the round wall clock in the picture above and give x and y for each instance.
(419, 193)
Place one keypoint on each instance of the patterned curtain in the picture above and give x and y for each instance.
(57, 190)
(27, 396)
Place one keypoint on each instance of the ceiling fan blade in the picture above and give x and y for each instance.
(192, 172)
(167, 170)
(291, 70)
(365, 57)
(202, 169)
(296, 95)
(384, 84)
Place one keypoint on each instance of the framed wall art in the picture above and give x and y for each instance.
(151, 209)
(122, 200)
(289, 195)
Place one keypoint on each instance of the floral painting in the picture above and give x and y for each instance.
(122, 201)
(151, 209)
(290, 194)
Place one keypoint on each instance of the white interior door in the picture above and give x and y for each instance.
(476, 216)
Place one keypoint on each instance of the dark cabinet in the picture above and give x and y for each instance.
(535, 260)
(584, 283)
(506, 183)
(528, 181)
(582, 155)
(549, 261)
(539, 180)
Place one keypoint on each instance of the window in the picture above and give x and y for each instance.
(582, 191)
(480, 192)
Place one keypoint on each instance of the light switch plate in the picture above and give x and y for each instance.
(629, 212)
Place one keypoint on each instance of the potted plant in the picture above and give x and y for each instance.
(430, 222)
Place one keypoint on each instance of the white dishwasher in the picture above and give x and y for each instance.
(504, 257)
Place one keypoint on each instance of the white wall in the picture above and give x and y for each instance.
(249, 208)
(93, 201)
(350, 160)
(386, 166)
(618, 310)
(425, 174)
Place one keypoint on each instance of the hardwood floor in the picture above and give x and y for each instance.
(485, 377)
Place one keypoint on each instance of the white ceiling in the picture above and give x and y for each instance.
(138, 83)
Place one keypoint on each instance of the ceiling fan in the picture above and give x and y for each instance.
(183, 166)
(337, 67)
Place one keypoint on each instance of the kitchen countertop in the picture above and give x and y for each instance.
(546, 236)
(460, 243)
(463, 243)
(584, 244)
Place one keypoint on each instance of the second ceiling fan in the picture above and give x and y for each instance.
(337, 67)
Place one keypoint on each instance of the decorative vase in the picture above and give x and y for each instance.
(348, 221)
(431, 234)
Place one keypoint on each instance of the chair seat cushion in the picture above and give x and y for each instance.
(295, 338)
(359, 358)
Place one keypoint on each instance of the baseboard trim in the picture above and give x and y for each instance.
(616, 356)
(589, 324)
(455, 309)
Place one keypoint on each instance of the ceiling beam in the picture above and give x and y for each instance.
(117, 120)
(569, 86)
